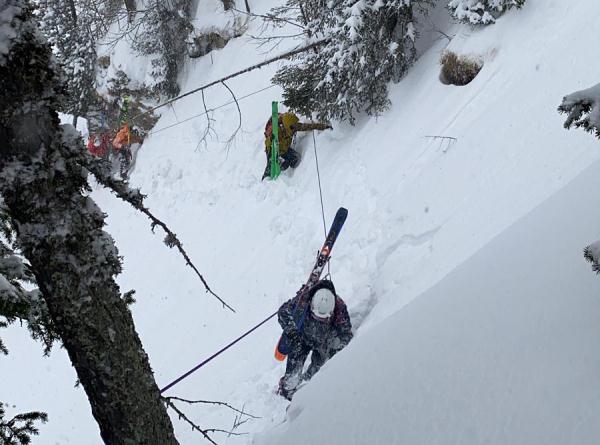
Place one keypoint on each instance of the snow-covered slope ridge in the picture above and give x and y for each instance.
(504, 350)
(418, 209)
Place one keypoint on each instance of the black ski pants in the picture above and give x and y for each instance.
(295, 363)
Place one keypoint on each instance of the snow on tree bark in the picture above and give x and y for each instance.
(59, 231)
(481, 12)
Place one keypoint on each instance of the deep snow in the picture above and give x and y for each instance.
(418, 209)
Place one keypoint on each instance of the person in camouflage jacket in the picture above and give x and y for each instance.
(316, 321)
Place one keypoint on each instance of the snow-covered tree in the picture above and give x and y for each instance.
(70, 27)
(481, 12)
(583, 111)
(366, 44)
(44, 192)
(163, 29)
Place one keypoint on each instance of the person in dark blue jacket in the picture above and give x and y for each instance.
(316, 321)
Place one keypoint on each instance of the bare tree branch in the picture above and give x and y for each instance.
(209, 129)
(210, 402)
(232, 137)
(274, 19)
(195, 427)
(101, 171)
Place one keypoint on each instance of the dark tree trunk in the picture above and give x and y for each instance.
(131, 8)
(59, 231)
(73, 11)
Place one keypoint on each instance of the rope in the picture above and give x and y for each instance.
(201, 364)
(211, 109)
(320, 193)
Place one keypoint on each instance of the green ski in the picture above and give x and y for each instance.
(275, 167)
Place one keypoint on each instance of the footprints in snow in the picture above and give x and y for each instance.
(407, 240)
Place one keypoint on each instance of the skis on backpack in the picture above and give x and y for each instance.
(282, 348)
(275, 167)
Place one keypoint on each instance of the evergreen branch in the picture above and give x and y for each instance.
(19, 429)
(210, 402)
(101, 171)
(590, 253)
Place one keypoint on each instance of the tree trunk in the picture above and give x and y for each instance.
(59, 231)
(131, 8)
(73, 11)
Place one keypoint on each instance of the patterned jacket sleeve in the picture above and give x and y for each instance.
(343, 325)
(285, 315)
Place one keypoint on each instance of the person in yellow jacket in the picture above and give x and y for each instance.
(289, 125)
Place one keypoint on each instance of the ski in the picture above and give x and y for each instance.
(325, 252)
(275, 167)
(283, 346)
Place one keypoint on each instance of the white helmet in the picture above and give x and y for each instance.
(323, 303)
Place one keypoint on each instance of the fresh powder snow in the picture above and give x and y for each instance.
(476, 317)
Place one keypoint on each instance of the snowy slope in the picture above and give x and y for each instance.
(418, 209)
(504, 350)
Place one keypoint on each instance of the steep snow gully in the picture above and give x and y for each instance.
(476, 318)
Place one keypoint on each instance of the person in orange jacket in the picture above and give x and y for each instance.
(122, 144)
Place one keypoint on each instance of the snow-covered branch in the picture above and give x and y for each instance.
(583, 109)
(592, 254)
(481, 12)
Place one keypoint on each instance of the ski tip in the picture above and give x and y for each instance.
(342, 213)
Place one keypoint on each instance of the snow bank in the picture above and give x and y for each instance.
(504, 350)
(418, 208)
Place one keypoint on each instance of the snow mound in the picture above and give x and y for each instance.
(504, 350)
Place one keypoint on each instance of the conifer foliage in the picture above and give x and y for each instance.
(71, 28)
(583, 111)
(19, 429)
(164, 27)
(481, 12)
(366, 44)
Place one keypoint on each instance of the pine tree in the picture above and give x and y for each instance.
(367, 44)
(45, 194)
(164, 28)
(481, 12)
(583, 111)
(71, 29)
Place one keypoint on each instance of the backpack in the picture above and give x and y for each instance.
(269, 129)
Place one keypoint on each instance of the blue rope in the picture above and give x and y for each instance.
(201, 364)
